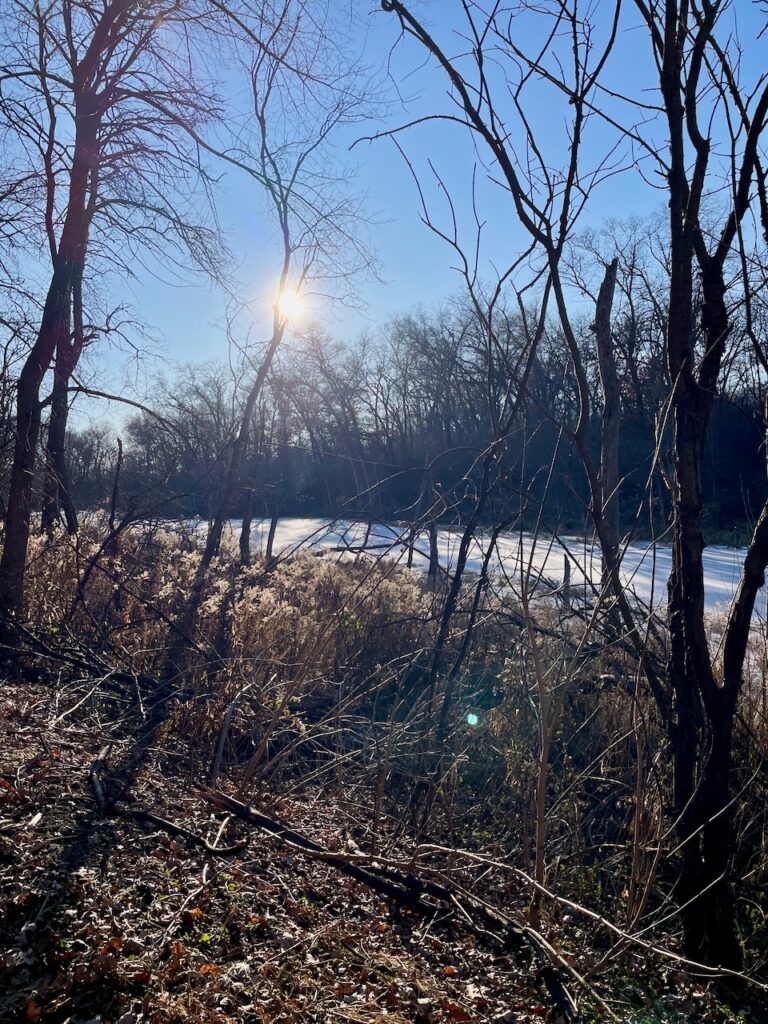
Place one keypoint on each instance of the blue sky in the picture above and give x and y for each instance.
(187, 321)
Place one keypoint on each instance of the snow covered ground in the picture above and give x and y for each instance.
(645, 568)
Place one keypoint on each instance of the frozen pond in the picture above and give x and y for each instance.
(645, 568)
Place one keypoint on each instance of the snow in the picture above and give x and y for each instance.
(645, 568)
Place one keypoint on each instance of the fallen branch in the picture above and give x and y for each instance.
(193, 837)
(420, 895)
(628, 938)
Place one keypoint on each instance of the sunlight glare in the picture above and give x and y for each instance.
(290, 304)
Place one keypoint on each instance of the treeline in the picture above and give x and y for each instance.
(394, 427)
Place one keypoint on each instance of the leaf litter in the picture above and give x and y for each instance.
(108, 920)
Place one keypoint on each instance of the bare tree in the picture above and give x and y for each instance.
(115, 112)
(699, 93)
(699, 81)
(318, 222)
(108, 123)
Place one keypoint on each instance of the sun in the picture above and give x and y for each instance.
(290, 304)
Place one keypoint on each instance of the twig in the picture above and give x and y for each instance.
(685, 963)
(193, 837)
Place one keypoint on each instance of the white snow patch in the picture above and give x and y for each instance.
(645, 568)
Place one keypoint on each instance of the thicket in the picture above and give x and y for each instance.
(316, 675)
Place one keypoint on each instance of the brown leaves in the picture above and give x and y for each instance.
(32, 1011)
(124, 928)
(455, 1011)
(189, 918)
(8, 791)
(114, 944)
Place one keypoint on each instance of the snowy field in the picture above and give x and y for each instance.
(645, 568)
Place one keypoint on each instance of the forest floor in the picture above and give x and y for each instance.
(106, 918)
(110, 919)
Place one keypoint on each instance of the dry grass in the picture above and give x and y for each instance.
(307, 610)
(313, 677)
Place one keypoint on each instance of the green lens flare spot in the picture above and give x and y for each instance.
(472, 719)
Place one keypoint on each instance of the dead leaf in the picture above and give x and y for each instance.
(32, 1011)
(8, 790)
(104, 963)
(455, 1011)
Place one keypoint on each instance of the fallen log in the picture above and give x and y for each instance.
(420, 895)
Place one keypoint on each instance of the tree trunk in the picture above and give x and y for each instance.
(113, 545)
(269, 558)
(245, 529)
(56, 494)
(55, 323)
(705, 889)
(411, 545)
(611, 420)
(434, 554)
(183, 631)
(702, 731)
(54, 331)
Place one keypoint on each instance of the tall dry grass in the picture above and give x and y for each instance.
(315, 673)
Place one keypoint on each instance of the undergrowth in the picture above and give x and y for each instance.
(317, 679)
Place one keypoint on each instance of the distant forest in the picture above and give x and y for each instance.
(393, 426)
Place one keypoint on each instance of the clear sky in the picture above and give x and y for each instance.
(187, 322)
